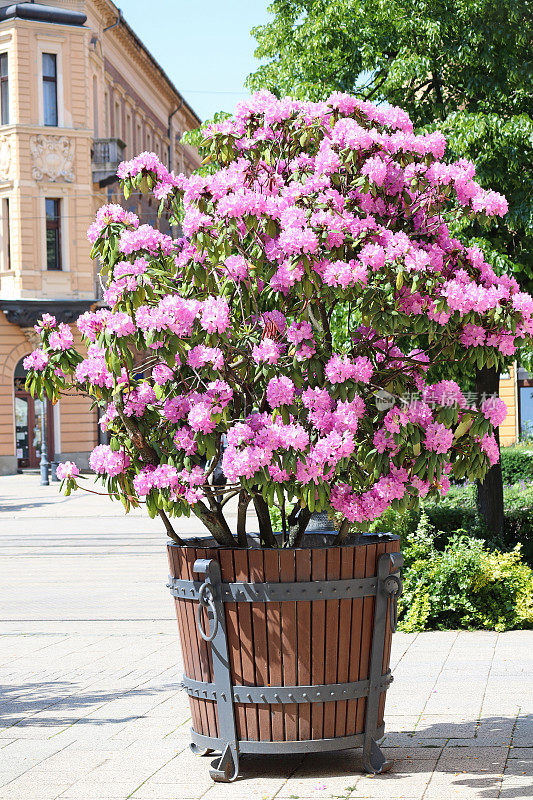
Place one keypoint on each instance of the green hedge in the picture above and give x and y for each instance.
(457, 511)
(464, 585)
(517, 464)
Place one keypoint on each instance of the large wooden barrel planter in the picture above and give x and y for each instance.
(286, 651)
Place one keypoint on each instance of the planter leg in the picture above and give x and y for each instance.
(389, 585)
(226, 769)
(373, 759)
(199, 751)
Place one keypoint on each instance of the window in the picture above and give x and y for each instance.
(50, 89)
(4, 90)
(53, 234)
(7, 233)
(525, 401)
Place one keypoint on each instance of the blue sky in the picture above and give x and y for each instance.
(204, 45)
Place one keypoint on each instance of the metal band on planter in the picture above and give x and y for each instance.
(212, 594)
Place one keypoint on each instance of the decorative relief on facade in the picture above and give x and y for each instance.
(52, 158)
(5, 158)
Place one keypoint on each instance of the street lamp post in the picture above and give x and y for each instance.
(44, 448)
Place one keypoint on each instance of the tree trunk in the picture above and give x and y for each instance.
(265, 525)
(489, 498)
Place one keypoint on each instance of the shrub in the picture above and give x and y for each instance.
(225, 335)
(465, 585)
(457, 510)
(517, 464)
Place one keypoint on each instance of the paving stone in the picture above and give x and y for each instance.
(407, 778)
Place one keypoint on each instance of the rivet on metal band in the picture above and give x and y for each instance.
(287, 694)
(242, 592)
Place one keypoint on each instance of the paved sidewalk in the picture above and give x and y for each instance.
(90, 667)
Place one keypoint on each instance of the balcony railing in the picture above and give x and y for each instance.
(106, 156)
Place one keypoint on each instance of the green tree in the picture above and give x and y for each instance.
(463, 66)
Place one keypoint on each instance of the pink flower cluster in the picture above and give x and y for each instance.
(67, 469)
(105, 461)
(341, 368)
(108, 215)
(36, 360)
(183, 484)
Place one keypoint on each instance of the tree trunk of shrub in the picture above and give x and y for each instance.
(489, 498)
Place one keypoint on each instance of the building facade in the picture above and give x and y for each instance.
(79, 93)
(516, 389)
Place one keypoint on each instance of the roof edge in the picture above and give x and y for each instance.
(39, 13)
(121, 20)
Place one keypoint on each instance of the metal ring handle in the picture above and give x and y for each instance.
(205, 600)
(393, 587)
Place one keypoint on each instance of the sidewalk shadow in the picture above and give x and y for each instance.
(26, 705)
(9, 507)
(475, 766)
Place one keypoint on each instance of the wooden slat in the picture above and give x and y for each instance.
(273, 611)
(345, 624)
(333, 571)
(188, 646)
(303, 633)
(318, 622)
(257, 575)
(287, 573)
(200, 673)
(246, 642)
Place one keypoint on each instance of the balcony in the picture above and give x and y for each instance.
(106, 156)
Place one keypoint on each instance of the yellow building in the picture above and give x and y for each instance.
(516, 389)
(79, 92)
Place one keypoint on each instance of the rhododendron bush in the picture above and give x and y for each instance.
(219, 346)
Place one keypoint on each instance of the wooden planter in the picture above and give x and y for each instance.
(299, 667)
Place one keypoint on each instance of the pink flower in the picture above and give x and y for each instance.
(67, 469)
(215, 315)
(340, 369)
(376, 169)
(280, 391)
(489, 445)
(61, 339)
(200, 418)
(103, 460)
(161, 374)
(236, 267)
(299, 332)
(47, 322)
(439, 438)
(267, 351)
(107, 215)
(185, 439)
(145, 238)
(200, 355)
(495, 410)
(473, 335)
(36, 360)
